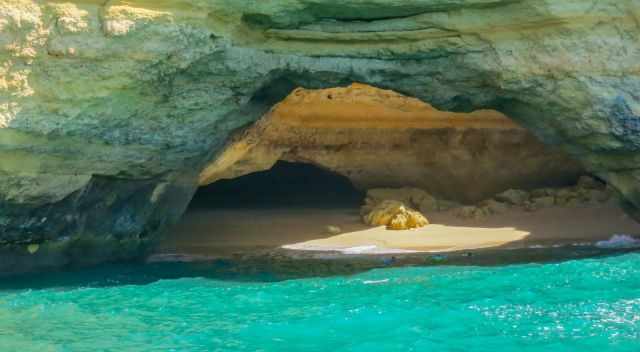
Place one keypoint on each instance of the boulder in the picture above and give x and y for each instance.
(395, 215)
(495, 207)
(543, 202)
(566, 196)
(472, 212)
(429, 203)
(588, 182)
(513, 197)
(414, 197)
(543, 192)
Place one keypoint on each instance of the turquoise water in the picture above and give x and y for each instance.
(581, 305)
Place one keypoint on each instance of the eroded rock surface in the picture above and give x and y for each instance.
(394, 215)
(379, 138)
(110, 110)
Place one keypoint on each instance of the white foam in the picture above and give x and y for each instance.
(359, 249)
(375, 282)
(619, 241)
(364, 249)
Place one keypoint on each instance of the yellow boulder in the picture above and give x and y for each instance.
(395, 216)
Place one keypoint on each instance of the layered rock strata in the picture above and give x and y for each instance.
(379, 138)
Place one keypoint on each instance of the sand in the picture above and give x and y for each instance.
(219, 232)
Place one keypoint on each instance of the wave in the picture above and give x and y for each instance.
(619, 241)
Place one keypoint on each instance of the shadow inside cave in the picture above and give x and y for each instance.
(288, 203)
(285, 185)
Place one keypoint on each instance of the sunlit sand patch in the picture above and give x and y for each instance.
(432, 238)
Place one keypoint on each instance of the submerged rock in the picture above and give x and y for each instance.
(395, 215)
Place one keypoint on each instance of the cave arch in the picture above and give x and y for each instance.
(380, 138)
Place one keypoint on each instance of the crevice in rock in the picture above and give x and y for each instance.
(346, 14)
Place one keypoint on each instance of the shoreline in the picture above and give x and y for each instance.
(281, 264)
(300, 233)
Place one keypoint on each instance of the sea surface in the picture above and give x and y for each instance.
(579, 305)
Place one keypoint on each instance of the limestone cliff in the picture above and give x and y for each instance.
(109, 110)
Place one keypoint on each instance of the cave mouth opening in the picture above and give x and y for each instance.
(285, 185)
(295, 179)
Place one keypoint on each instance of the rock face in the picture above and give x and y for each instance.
(110, 110)
(378, 138)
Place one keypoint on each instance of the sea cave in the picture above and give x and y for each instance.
(319, 175)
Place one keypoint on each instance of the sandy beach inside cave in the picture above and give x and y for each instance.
(220, 232)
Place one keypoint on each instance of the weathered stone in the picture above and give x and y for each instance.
(513, 197)
(415, 197)
(543, 202)
(587, 182)
(405, 221)
(495, 207)
(472, 212)
(395, 216)
(566, 196)
(429, 203)
(543, 192)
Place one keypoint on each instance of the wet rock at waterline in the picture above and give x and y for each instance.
(110, 111)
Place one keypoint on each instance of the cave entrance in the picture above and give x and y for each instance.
(339, 142)
(286, 184)
(288, 203)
